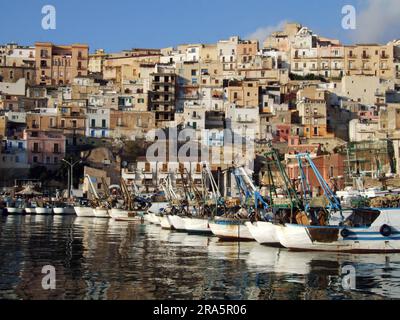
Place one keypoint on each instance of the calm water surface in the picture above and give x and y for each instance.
(103, 259)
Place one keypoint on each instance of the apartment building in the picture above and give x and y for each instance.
(312, 105)
(60, 64)
(96, 61)
(162, 96)
(98, 122)
(243, 93)
(370, 59)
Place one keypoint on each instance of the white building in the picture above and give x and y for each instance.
(98, 122)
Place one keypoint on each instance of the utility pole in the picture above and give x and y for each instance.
(71, 175)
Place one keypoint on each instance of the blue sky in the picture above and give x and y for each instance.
(123, 24)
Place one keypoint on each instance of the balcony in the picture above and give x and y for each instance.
(352, 56)
(366, 56)
(384, 56)
(246, 120)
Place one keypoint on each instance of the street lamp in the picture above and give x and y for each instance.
(71, 175)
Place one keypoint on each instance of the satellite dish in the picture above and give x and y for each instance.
(124, 164)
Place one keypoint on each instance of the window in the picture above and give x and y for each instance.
(103, 123)
(35, 159)
(56, 148)
(194, 73)
(20, 145)
(16, 159)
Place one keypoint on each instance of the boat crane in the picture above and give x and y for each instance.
(334, 203)
(296, 202)
(248, 191)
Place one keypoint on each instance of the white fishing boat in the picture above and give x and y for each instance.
(44, 211)
(64, 211)
(264, 232)
(14, 211)
(101, 212)
(197, 225)
(230, 229)
(84, 212)
(154, 218)
(165, 224)
(124, 215)
(177, 222)
(157, 207)
(366, 231)
(30, 210)
(118, 213)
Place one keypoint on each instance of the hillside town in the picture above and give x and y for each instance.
(303, 92)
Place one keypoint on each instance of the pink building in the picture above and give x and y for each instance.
(282, 133)
(45, 147)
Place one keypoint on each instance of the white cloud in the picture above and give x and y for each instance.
(378, 21)
(263, 32)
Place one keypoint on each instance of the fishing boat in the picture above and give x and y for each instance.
(101, 212)
(84, 212)
(232, 225)
(30, 211)
(64, 210)
(231, 229)
(15, 210)
(197, 225)
(177, 222)
(124, 215)
(165, 224)
(370, 230)
(264, 232)
(44, 210)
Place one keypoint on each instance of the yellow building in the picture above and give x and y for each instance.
(370, 59)
(96, 61)
(243, 93)
(59, 65)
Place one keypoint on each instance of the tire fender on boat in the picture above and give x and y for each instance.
(345, 233)
(386, 230)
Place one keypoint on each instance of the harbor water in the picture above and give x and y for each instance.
(103, 259)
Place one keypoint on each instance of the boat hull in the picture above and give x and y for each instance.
(84, 212)
(101, 213)
(177, 222)
(165, 224)
(15, 211)
(44, 211)
(264, 233)
(196, 225)
(231, 230)
(361, 240)
(118, 213)
(64, 211)
(124, 215)
(30, 210)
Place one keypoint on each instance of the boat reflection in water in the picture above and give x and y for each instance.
(106, 259)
